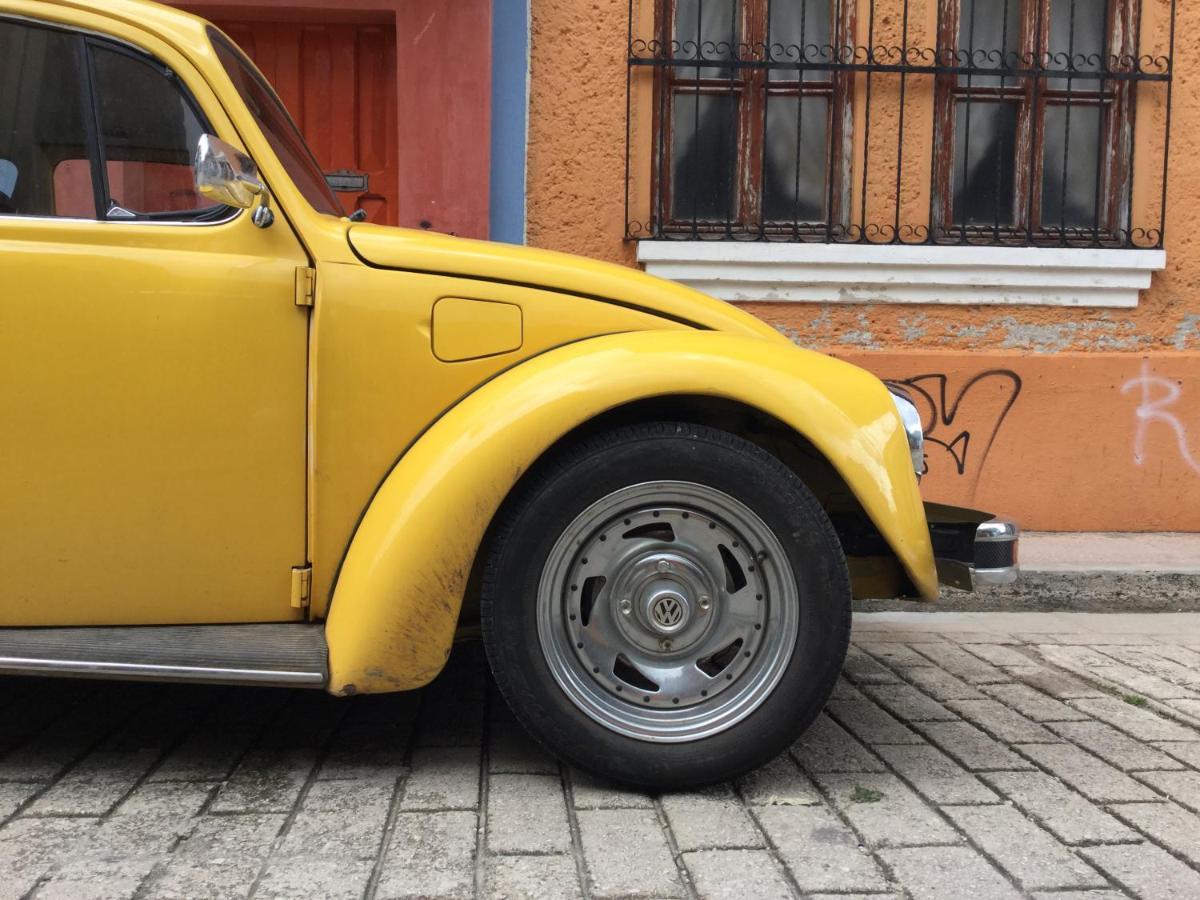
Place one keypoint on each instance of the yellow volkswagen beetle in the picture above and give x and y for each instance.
(247, 439)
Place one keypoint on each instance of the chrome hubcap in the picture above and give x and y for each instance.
(667, 611)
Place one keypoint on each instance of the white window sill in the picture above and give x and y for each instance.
(858, 273)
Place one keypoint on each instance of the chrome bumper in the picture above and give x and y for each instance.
(974, 554)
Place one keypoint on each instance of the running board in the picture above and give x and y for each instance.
(287, 655)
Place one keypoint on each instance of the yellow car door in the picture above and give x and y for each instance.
(152, 354)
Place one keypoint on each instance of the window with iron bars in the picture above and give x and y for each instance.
(900, 121)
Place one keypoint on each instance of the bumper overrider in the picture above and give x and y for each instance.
(972, 548)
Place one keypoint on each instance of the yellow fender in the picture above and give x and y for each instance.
(397, 600)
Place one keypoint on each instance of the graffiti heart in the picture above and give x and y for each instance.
(963, 423)
(1158, 397)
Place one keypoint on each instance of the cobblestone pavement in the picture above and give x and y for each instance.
(968, 755)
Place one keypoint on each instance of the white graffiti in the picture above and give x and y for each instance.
(1158, 396)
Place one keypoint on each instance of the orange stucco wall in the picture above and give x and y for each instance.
(1104, 431)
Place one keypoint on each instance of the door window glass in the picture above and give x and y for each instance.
(45, 168)
(149, 129)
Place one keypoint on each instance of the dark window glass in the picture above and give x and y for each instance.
(989, 37)
(1071, 166)
(148, 130)
(705, 29)
(984, 164)
(703, 156)
(800, 31)
(794, 172)
(44, 167)
(277, 126)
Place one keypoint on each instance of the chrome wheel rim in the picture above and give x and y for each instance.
(667, 611)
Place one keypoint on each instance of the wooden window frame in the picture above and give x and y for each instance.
(1034, 96)
(753, 87)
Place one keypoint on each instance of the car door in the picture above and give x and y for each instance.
(152, 355)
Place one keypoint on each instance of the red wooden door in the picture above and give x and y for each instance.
(339, 83)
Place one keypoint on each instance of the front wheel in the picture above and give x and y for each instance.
(666, 605)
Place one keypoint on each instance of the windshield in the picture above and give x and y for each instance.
(281, 132)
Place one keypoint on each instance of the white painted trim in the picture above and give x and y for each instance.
(864, 273)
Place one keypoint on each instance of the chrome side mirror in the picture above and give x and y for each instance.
(226, 175)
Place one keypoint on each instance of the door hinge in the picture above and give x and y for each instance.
(301, 586)
(306, 286)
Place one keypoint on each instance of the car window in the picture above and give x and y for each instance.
(149, 129)
(43, 124)
(277, 126)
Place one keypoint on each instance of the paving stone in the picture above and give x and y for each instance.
(1146, 870)
(31, 848)
(736, 875)
(908, 704)
(1115, 747)
(266, 781)
(1167, 823)
(934, 873)
(1075, 657)
(430, 855)
(90, 798)
(894, 654)
(512, 751)
(590, 792)
(13, 795)
(443, 778)
(779, 783)
(205, 756)
(1138, 682)
(1155, 662)
(997, 654)
(1189, 707)
(996, 718)
(827, 747)
(821, 853)
(1185, 751)
(1104, 638)
(1072, 817)
(325, 877)
(532, 878)
(1182, 787)
(340, 819)
(216, 837)
(845, 690)
(1081, 895)
(1092, 777)
(964, 665)
(165, 800)
(1060, 685)
(972, 747)
(98, 879)
(451, 722)
(935, 775)
(626, 853)
(713, 818)
(862, 669)
(870, 723)
(1029, 853)
(527, 814)
(187, 878)
(940, 684)
(1134, 721)
(1033, 704)
(139, 834)
(1185, 656)
(895, 818)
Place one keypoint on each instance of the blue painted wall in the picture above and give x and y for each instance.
(510, 109)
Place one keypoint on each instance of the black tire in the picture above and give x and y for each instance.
(550, 500)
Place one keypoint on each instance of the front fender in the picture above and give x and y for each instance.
(397, 600)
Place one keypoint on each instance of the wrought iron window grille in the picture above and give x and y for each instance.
(895, 188)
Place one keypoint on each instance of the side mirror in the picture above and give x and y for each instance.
(226, 175)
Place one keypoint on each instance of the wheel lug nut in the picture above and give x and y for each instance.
(664, 565)
(626, 606)
(665, 644)
(705, 603)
